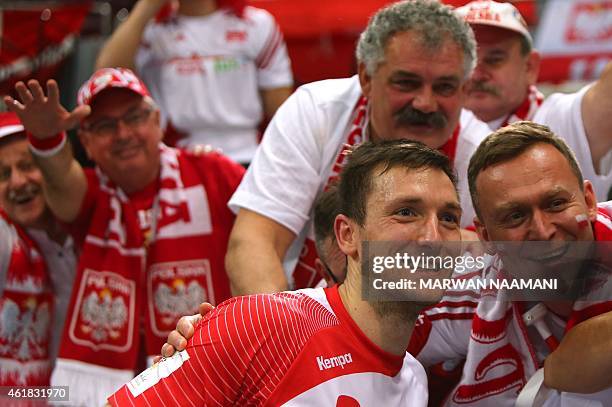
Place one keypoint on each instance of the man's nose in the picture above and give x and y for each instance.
(123, 130)
(18, 178)
(480, 74)
(541, 227)
(429, 231)
(425, 101)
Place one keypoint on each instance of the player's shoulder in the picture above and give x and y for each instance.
(258, 15)
(344, 91)
(267, 314)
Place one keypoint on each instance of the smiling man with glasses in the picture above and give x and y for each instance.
(152, 223)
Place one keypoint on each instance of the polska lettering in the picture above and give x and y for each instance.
(334, 361)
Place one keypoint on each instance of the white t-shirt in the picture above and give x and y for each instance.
(562, 113)
(206, 73)
(300, 146)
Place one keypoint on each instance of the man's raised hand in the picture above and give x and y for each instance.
(43, 115)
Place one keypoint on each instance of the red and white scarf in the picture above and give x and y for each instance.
(304, 274)
(26, 309)
(500, 357)
(126, 283)
(527, 109)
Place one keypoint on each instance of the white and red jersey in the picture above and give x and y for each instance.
(206, 74)
(291, 348)
(501, 353)
(288, 172)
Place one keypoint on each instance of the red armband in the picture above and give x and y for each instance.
(47, 147)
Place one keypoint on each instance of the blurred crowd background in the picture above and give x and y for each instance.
(61, 38)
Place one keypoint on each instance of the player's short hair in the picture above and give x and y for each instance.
(434, 22)
(510, 142)
(370, 160)
(326, 207)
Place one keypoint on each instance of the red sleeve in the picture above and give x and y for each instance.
(238, 355)
(78, 228)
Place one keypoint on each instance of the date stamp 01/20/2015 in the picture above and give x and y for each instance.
(47, 393)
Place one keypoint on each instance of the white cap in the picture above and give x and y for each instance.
(502, 15)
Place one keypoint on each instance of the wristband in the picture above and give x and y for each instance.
(47, 147)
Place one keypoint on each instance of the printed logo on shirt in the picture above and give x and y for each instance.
(238, 36)
(151, 376)
(177, 288)
(106, 304)
(226, 64)
(334, 361)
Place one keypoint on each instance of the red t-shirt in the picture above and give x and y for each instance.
(299, 347)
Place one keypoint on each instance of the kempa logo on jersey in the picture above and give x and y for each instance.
(334, 361)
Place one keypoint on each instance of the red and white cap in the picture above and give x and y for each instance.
(106, 78)
(502, 15)
(10, 124)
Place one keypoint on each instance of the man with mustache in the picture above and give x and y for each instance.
(37, 265)
(328, 347)
(414, 60)
(152, 223)
(502, 90)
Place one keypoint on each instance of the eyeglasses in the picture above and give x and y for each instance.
(109, 127)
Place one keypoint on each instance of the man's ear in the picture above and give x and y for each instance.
(365, 80)
(533, 67)
(590, 199)
(347, 236)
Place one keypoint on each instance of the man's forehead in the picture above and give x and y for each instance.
(411, 184)
(411, 46)
(541, 169)
(114, 101)
(17, 143)
(489, 35)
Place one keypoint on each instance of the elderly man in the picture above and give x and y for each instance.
(414, 59)
(152, 221)
(526, 186)
(323, 346)
(502, 90)
(227, 58)
(37, 266)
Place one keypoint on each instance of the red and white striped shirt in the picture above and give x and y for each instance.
(291, 348)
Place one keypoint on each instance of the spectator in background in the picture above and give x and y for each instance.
(502, 91)
(331, 262)
(414, 60)
(37, 265)
(213, 66)
(152, 221)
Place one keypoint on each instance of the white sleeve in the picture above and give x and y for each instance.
(285, 174)
(441, 334)
(272, 61)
